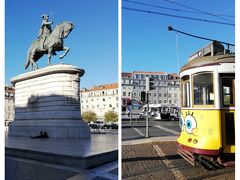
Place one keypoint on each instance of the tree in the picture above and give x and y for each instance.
(111, 116)
(89, 116)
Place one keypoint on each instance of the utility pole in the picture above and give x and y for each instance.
(147, 118)
(131, 108)
(149, 86)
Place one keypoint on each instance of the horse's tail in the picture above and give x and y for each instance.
(28, 59)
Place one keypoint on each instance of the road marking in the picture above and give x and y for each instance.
(150, 140)
(166, 129)
(177, 174)
(138, 131)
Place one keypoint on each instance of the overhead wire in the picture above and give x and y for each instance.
(167, 8)
(177, 16)
(198, 10)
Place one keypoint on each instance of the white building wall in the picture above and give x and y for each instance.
(99, 101)
(166, 92)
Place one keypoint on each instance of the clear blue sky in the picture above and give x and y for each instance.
(149, 46)
(93, 42)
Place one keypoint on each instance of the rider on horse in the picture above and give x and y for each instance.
(45, 29)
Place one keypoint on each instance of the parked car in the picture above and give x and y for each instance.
(100, 123)
(111, 125)
(157, 111)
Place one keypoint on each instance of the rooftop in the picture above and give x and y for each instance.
(101, 87)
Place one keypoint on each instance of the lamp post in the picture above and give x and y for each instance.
(132, 97)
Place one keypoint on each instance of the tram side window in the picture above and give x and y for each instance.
(185, 95)
(228, 91)
(203, 89)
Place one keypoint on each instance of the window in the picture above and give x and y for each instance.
(165, 94)
(124, 93)
(228, 91)
(103, 99)
(160, 95)
(185, 94)
(203, 89)
(155, 94)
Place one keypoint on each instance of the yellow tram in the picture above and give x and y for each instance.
(208, 105)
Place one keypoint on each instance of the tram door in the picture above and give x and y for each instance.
(227, 85)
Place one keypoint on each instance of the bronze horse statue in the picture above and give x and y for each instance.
(53, 43)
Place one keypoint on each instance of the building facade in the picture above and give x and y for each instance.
(9, 105)
(100, 99)
(166, 88)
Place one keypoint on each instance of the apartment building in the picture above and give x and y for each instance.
(166, 87)
(9, 104)
(100, 99)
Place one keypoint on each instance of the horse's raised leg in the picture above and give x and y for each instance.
(66, 49)
(49, 55)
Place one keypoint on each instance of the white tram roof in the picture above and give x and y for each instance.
(212, 54)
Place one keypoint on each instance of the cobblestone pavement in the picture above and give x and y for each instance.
(159, 160)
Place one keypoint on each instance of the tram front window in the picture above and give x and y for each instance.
(203, 89)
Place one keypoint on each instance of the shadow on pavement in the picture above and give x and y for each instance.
(170, 157)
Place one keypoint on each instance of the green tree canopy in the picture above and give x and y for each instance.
(111, 116)
(89, 116)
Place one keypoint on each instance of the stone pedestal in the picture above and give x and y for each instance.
(48, 100)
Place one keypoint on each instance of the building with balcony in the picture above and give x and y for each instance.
(100, 99)
(9, 104)
(166, 88)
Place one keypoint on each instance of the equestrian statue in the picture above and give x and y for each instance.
(48, 42)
